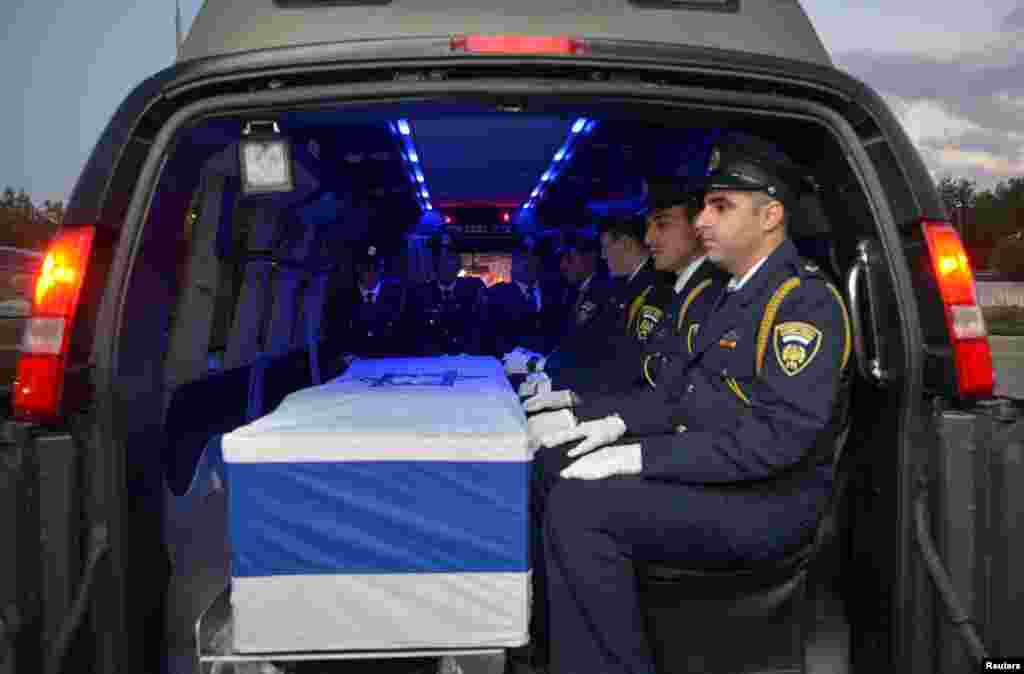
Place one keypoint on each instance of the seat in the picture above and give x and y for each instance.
(199, 410)
(772, 601)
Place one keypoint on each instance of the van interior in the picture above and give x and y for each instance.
(202, 310)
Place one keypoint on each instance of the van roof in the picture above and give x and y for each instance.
(776, 28)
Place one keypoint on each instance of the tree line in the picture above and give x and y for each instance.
(990, 222)
(24, 224)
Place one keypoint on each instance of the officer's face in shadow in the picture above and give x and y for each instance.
(615, 249)
(368, 275)
(738, 228)
(525, 267)
(448, 265)
(672, 239)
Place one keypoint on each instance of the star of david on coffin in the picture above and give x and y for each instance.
(439, 379)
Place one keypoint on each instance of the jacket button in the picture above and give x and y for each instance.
(690, 388)
(680, 429)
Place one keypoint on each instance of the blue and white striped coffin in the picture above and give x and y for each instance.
(386, 509)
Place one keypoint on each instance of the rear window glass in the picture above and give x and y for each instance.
(302, 4)
(712, 5)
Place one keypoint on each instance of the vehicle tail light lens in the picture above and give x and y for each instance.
(519, 44)
(44, 347)
(968, 332)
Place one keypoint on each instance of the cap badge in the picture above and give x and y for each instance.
(715, 160)
(371, 251)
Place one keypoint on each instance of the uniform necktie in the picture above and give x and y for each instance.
(535, 292)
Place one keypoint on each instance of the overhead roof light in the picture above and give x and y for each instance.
(563, 155)
(403, 130)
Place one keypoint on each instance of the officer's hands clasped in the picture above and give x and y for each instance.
(615, 460)
(593, 434)
(553, 400)
(544, 425)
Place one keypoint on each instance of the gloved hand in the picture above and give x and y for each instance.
(536, 383)
(553, 400)
(517, 361)
(593, 433)
(614, 460)
(541, 425)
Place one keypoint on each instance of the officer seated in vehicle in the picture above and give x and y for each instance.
(579, 261)
(619, 326)
(447, 313)
(727, 462)
(657, 317)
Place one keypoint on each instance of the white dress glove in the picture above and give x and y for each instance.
(541, 425)
(553, 400)
(593, 433)
(538, 382)
(516, 361)
(614, 460)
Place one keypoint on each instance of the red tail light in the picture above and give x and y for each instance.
(971, 351)
(519, 44)
(44, 348)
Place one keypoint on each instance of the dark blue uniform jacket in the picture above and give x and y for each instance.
(716, 417)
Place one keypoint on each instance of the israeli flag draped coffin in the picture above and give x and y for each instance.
(386, 509)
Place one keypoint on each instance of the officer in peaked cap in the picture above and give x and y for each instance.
(448, 311)
(758, 406)
(374, 306)
(619, 327)
(659, 317)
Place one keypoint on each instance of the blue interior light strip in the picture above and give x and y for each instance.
(581, 127)
(402, 130)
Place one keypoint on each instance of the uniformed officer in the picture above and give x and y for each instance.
(519, 311)
(372, 310)
(447, 314)
(657, 319)
(739, 470)
(622, 322)
(578, 261)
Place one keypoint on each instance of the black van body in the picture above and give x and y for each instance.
(86, 589)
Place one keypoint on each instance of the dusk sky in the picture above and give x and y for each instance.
(953, 71)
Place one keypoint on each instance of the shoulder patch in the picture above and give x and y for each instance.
(796, 344)
(649, 318)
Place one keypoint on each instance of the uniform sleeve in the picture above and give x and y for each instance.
(617, 369)
(789, 404)
(645, 411)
